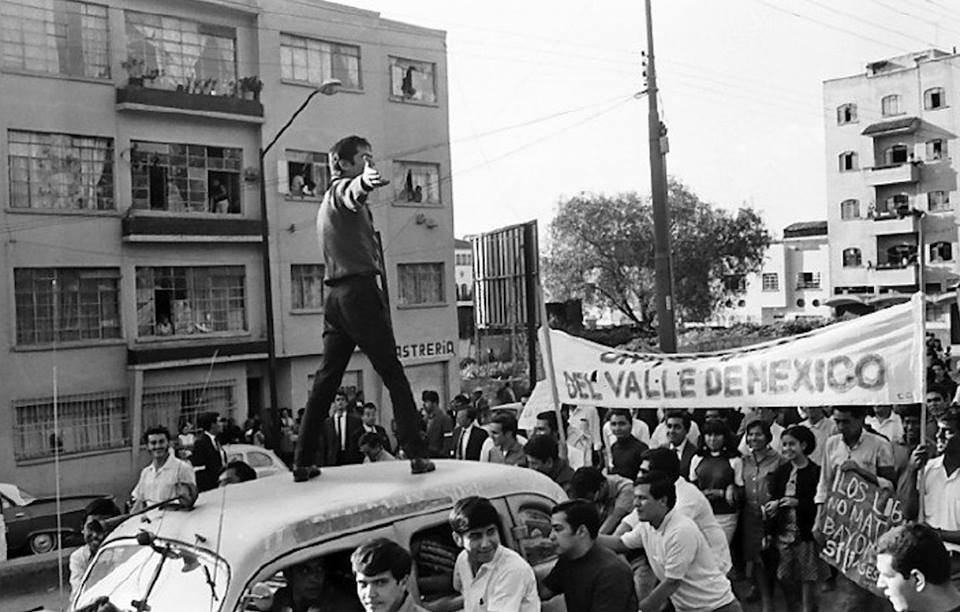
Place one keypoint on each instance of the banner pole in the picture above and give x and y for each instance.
(922, 373)
(548, 370)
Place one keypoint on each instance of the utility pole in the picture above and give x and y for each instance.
(666, 328)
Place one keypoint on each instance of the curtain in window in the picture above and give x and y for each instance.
(320, 62)
(92, 162)
(93, 46)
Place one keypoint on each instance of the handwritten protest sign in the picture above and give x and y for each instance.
(857, 513)
(874, 359)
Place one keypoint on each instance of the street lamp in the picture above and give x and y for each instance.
(327, 88)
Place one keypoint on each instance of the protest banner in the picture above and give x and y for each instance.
(856, 514)
(875, 359)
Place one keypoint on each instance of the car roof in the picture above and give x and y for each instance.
(245, 448)
(12, 492)
(270, 516)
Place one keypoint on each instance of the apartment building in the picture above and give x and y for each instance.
(135, 246)
(891, 183)
(793, 283)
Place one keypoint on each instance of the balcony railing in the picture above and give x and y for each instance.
(908, 172)
(193, 96)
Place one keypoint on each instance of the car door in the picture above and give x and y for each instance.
(530, 536)
(430, 542)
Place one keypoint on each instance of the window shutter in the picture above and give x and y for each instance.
(283, 180)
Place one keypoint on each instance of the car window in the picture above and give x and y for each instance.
(324, 580)
(257, 459)
(434, 555)
(234, 457)
(533, 535)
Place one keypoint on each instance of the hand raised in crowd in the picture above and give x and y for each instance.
(918, 457)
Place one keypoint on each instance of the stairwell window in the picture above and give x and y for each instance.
(933, 98)
(848, 161)
(770, 281)
(936, 149)
(850, 209)
(846, 113)
(941, 251)
(938, 201)
(890, 105)
(852, 258)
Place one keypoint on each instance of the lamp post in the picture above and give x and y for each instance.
(327, 88)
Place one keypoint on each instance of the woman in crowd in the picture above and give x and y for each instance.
(758, 464)
(792, 488)
(717, 470)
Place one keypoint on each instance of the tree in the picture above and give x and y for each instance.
(602, 250)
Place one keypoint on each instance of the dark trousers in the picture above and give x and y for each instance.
(356, 314)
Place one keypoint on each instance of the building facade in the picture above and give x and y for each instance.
(891, 183)
(134, 252)
(793, 283)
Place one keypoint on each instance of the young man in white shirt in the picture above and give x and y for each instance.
(491, 577)
(912, 570)
(678, 553)
(166, 477)
(941, 490)
(887, 423)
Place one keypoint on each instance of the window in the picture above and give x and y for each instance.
(896, 154)
(417, 183)
(734, 283)
(941, 251)
(173, 406)
(185, 177)
(890, 105)
(88, 422)
(315, 61)
(533, 536)
(434, 556)
(770, 281)
(181, 301)
(184, 55)
(60, 171)
(892, 204)
(938, 201)
(846, 113)
(306, 284)
(849, 209)
(303, 174)
(936, 149)
(56, 37)
(66, 304)
(420, 284)
(933, 98)
(848, 161)
(808, 280)
(412, 81)
(851, 258)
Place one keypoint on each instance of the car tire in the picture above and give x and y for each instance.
(42, 543)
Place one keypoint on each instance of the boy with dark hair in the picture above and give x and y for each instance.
(355, 309)
(208, 454)
(371, 446)
(627, 450)
(914, 570)
(235, 472)
(468, 436)
(381, 568)
(543, 455)
(590, 577)
(612, 495)
(439, 425)
(547, 425)
(94, 530)
(504, 448)
(490, 576)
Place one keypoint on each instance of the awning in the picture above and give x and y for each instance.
(845, 300)
(889, 299)
(903, 125)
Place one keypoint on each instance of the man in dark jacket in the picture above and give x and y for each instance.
(341, 434)
(207, 454)
(468, 436)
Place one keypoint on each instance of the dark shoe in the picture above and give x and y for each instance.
(305, 473)
(421, 466)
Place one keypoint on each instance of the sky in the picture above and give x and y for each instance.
(542, 103)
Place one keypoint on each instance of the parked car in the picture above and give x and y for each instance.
(32, 521)
(228, 553)
(263, 460)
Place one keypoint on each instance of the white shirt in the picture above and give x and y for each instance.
(157, 485)
(340, 422)
(776, 430)
(891, 427)
(505, 584)
(693, 504)
(79, 560)
(941, 498)
(488, 447)
(658, 438)
(677, 550)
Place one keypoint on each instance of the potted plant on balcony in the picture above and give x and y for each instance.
(135, 71)
(250, 87)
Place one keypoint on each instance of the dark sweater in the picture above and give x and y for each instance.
(345, 230)
(807, 479)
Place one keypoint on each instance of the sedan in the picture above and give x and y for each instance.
(263, 461)
(32, 521)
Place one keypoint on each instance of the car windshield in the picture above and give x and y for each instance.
(172, 576)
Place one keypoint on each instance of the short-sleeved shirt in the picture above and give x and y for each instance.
(626, 457)
(677, 550)
(941, 498)
(505, 584)
(157, 485)
(694, 505)
(599, 581)
(871, 451)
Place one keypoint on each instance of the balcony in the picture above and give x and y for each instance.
(889, 273)
(891, 223)
(892, 175)
(138, 228)
(225, 349)
(202, 103)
